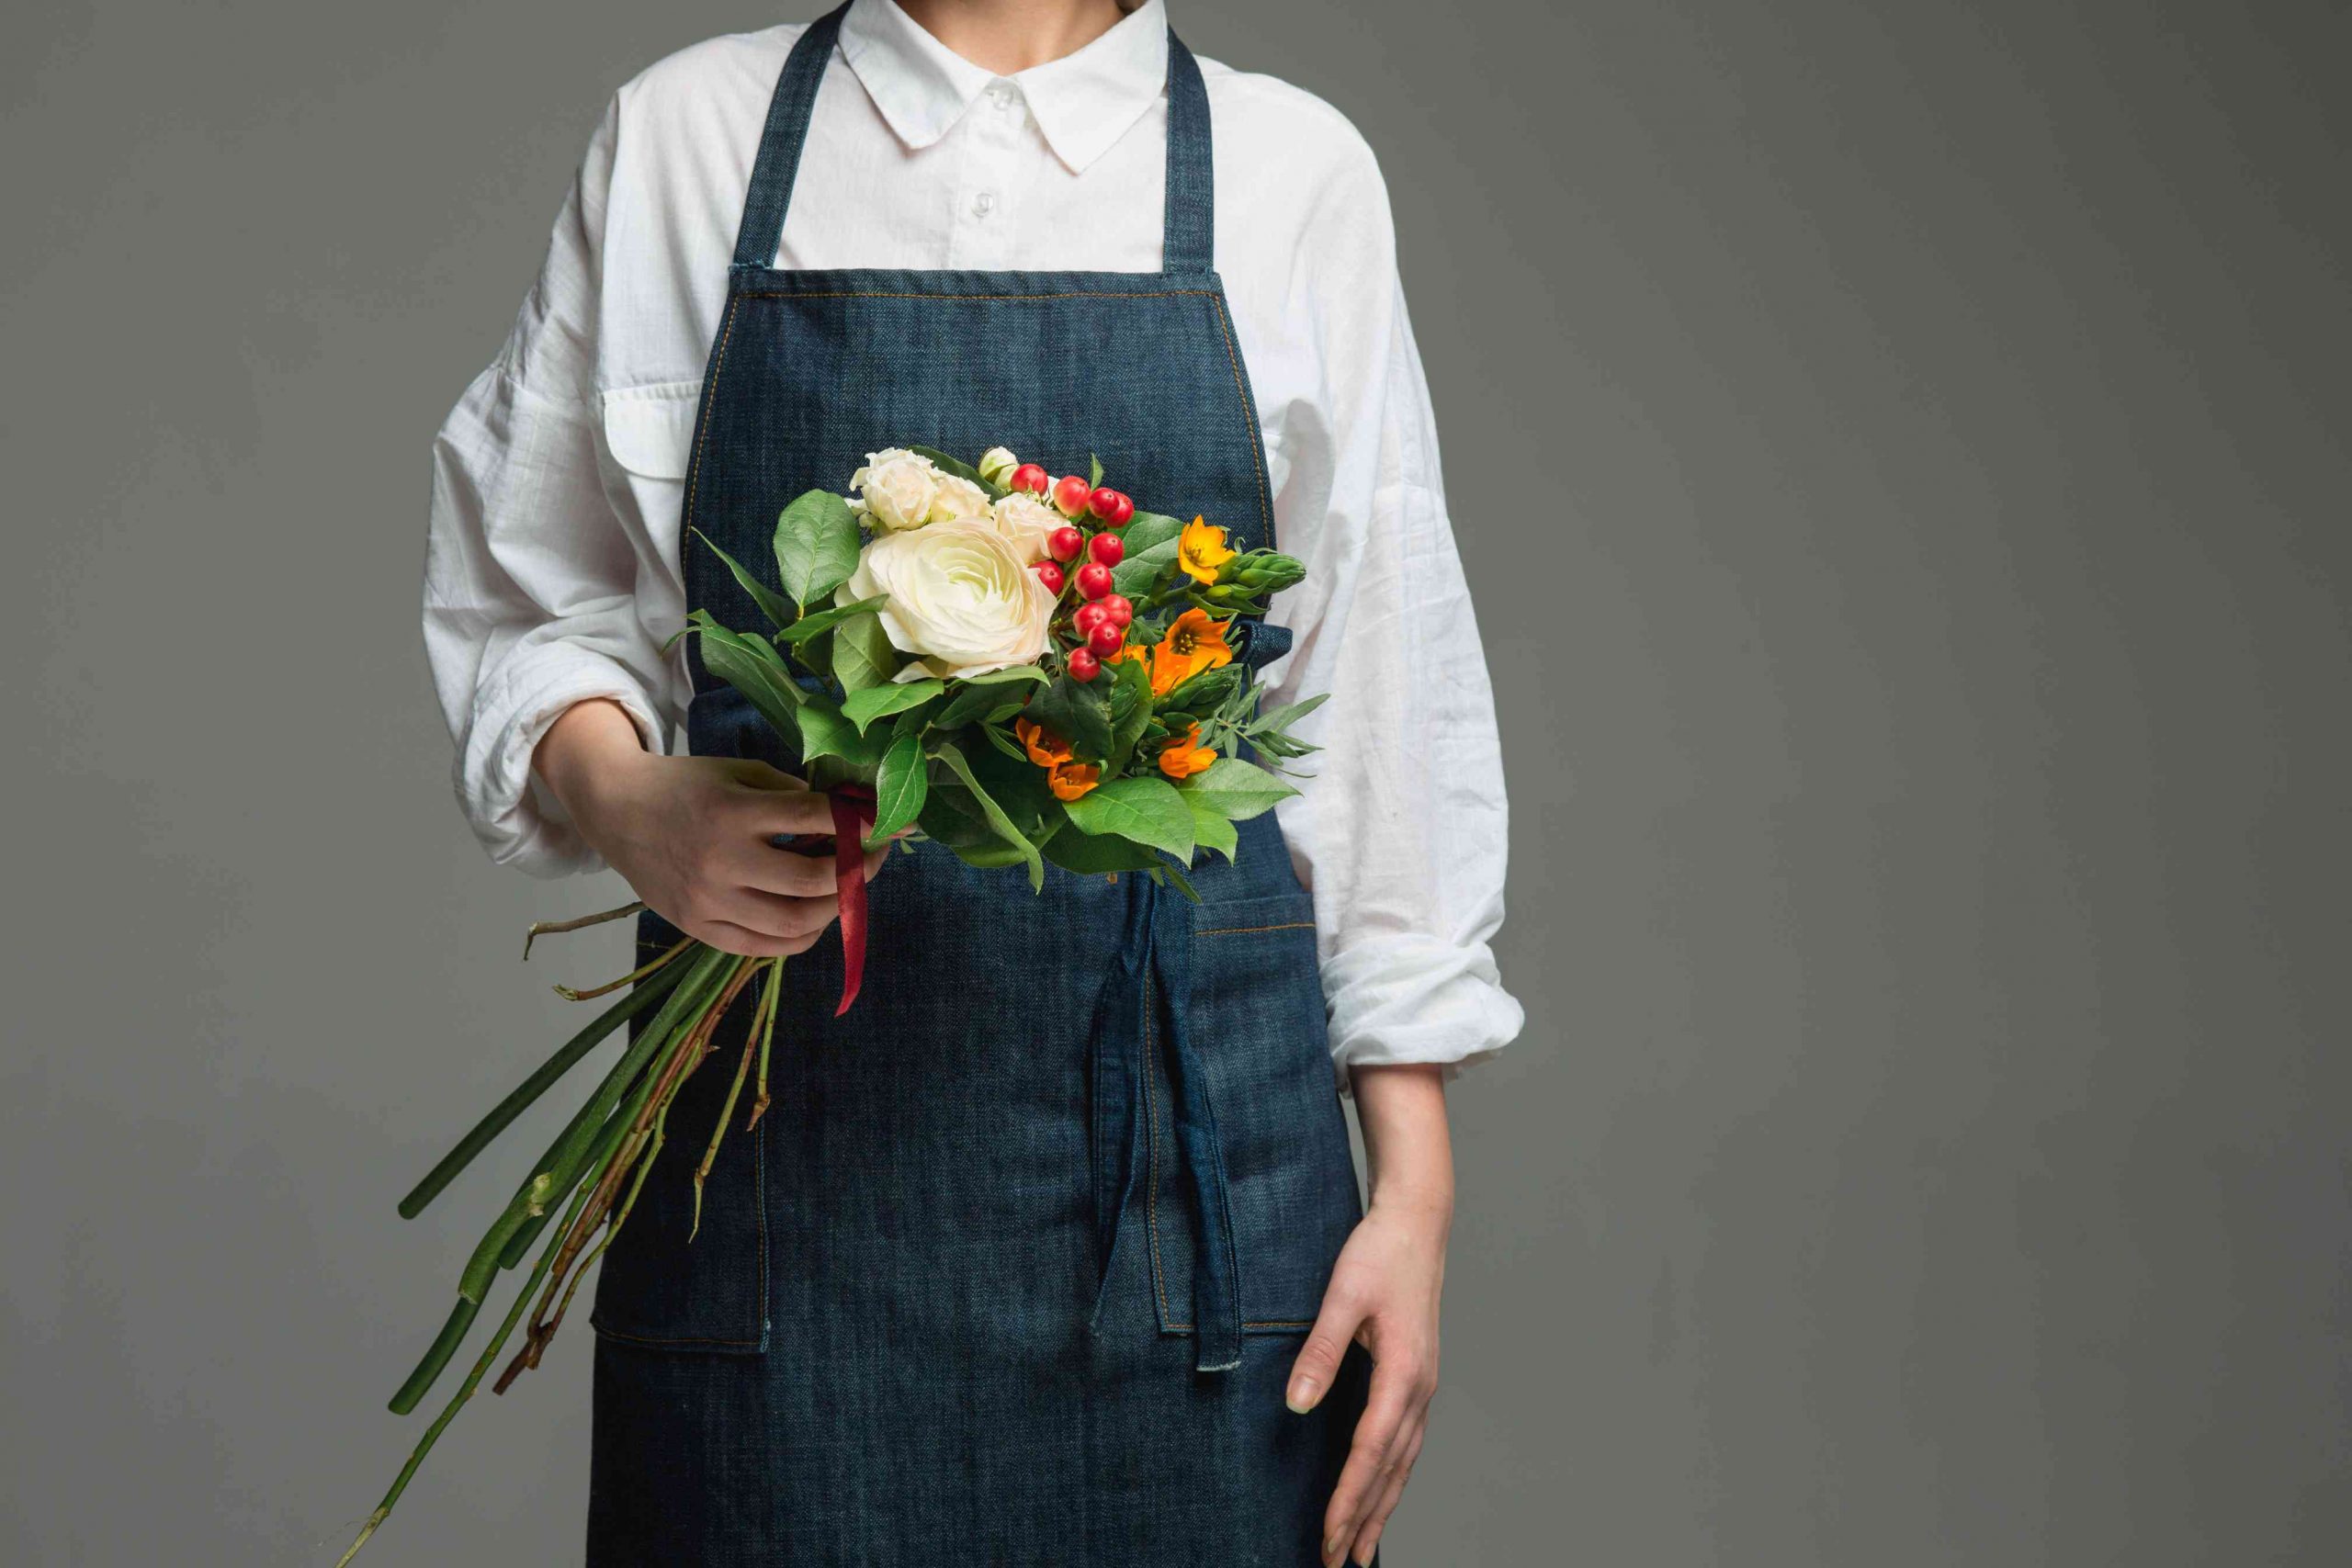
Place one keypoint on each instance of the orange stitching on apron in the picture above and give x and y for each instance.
(1249, 412)
(702, 422)
(1247, 930)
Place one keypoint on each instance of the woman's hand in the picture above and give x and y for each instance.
(691, 834)
(1384, 1295)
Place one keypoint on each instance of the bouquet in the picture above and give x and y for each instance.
(1021, 667)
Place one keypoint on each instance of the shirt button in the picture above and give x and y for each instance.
(1000, 96)
(984, 204)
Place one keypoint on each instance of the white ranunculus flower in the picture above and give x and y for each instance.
(996, 466)
(896, 488)
(961, 600)
(1025, 521)
(954, 499)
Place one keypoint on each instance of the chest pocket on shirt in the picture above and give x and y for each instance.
(649, 431)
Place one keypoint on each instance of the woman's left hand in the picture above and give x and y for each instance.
(1382, 1295)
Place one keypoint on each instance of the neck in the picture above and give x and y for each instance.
(1010, 35)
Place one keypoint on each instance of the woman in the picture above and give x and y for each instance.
(1051, 1250)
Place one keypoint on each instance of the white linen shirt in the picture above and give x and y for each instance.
(552, 570)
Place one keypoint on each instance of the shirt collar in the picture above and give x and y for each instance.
(1082, 102)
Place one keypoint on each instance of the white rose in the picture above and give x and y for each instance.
(1025, 521)
(954, 499)
(960, 599)
(996, 466)
(895, 488)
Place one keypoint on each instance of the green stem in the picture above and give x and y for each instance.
(767, 1037)
(527, 1092)
(473, 1379)
(560, 1172)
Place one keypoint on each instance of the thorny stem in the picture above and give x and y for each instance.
(550, 928)
(609, 987)
(727, 1109)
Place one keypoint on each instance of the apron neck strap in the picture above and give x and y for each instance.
(1187, 244)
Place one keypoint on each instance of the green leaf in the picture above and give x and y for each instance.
(1237, 789)
(825, 731)
(863, 656)
(900, 786)
(1093, 471)
(1175, 875)
(777, 610)
(807, 627)
(864, 706)
(1212, 829)
(966, 705)
(745, 664)
(958, 467)
(816, 545)
(1010, 672)
(1130, 712)
(1078, 712)
(1098, 855)
(1149, 811)
(997, 819)
(1287, 715)
(996, 736)
(1140, 570)
(1147, 529)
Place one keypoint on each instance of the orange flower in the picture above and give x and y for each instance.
(1200, 550)
(1193, 644)
(1046, 749)
(1182, 758)
(1071, 780)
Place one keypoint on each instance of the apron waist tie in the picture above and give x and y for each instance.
(1151, 975)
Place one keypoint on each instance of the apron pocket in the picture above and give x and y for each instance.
(1255, 1015)
(655, 1285)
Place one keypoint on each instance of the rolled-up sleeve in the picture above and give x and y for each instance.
(529, 601)
(1401, 831)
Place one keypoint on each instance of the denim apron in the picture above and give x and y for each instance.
(1014, 1269)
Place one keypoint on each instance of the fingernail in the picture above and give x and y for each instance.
(1301, 1399)
(1331, 1549)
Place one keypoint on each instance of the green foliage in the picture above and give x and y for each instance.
(901, 784)
(1212, 829)
(959, 468)
(1130, 711)
(1237, 789)
(816, 546)
(994, 813)
(807, 626)
(1080, 712)
(778, 610)
(1148, 811)
(863, 656)
(1099, 855)
(862, 706)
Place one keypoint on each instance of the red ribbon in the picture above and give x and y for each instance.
(852, 813)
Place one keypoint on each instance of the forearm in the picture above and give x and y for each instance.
(1408, 1145)
(587, 739)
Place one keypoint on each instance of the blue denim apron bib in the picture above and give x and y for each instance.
(1014, 1269)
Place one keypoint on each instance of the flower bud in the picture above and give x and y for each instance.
(996, 467)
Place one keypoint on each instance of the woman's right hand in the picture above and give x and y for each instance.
(692, 834)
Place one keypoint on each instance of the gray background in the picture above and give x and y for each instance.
(1924, 689)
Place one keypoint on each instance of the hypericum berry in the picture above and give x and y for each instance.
(1070, 495)
(1084, 665)
(1105, 638)
(1106, 548)
(1063, 544)
(1112, 506)
(1116, 609)
(1050, 575)
(1029, 476)
(1093, 579)
(1086, 617)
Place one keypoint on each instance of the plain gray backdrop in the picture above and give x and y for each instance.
(1924, 679)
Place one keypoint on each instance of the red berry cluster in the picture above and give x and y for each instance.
(1101, 618)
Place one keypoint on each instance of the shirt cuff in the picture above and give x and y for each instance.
(1416, 1000)
(518, 820)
